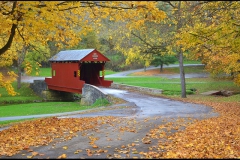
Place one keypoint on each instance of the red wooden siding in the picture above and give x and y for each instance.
(70, 75)
(95, 56)
(64, 79)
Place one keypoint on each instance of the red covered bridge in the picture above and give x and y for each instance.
(72, 68)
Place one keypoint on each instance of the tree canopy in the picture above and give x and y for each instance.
(25, 23)
(206, 30)
(214, 37)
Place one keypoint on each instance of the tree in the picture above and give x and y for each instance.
(90, 40)
(214, 38)
(21, 57)
(160, 60)
(64, 22)
(140, 44)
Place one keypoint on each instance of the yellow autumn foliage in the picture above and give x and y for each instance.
(63, 22)
(214, 38)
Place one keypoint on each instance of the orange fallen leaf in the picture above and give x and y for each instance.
(29, 156)
(34, 153)
(65, 147)
(63, 156)
(94, 146)
(123, 146)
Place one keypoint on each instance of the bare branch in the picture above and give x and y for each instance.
(10, 12)
(169, 2)
(12, 34)
(20, 34)
(88, 4)
(141, 39)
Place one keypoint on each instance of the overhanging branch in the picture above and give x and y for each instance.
(12, 34)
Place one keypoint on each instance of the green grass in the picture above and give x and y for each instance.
(187, 69)
(170, 87)
(25, 94)
(8, 122)
(101, 102)
(42, 108)
(46, 72)
(108, 72)
(173, 86)
(43, 72)
(190, 62)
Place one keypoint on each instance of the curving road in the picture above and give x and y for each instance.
(125, 73)
(29, 79)
(143, 111)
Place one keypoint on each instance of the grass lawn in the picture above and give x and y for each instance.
(25, 94)
(171, 70)
(6, 123)
(187, 69)
(173, 86)
(189, 62)
(38, 108)
(22, 104)
(42, 108)
(46, 72)
(25, 109)
(215, 137)
(17, 106)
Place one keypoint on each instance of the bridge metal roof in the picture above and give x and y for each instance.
(71, 55)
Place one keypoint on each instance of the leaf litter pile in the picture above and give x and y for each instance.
(43, 131)
(216, 137)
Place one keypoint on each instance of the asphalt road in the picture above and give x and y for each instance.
(145, 111)
(140, 112)
(125, 73)
(30, 79)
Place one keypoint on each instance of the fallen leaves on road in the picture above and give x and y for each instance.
(216, 137)
(65, 147)
(43, 131)
(63, 156)
(152, 72)
(146, 140)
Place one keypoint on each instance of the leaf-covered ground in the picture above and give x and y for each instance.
(152, 72)
(44, 131)
(216, 137)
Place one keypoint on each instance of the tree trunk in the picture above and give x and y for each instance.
(21, 57)
(180, 55)
(182, 75)
(161, 67)
(19, 78)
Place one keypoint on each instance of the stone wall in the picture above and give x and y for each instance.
(136, 88)
(38, 86)
(41, 89)
(90, 94)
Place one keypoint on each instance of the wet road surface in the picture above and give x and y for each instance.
(30, 79)
(141, 113)
(143, 106)
(192, 75)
